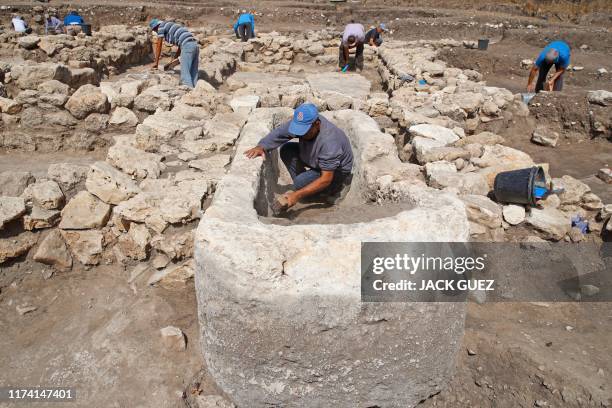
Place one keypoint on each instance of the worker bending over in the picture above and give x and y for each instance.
(556, 53)
(245, 26)
(188, 48)
(320, 162)
(73, 23)
(353, 37)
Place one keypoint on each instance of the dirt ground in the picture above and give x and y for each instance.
(93, 330)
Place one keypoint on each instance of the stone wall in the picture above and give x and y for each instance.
(110, 49)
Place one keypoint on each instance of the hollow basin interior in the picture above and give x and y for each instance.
(352, 208)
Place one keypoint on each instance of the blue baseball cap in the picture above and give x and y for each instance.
(383, 26)
(154, 23)
(303, 118)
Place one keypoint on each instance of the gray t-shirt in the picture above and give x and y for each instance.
(330, 150)
(353, 30)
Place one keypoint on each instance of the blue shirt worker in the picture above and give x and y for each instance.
(556, 53)
(188, 48)
(320, 162)
(245, 26)
(73, 18)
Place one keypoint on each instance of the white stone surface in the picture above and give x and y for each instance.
(514, 214)
(109, 184)
(435, 132)
(552, 223)
(245, 103)
(10, 208)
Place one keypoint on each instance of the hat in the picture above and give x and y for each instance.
(154, 23)
(383, 26)
(303, 118)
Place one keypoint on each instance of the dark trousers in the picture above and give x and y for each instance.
(302, 176)
(543, 72)
(358, 56)
(245, 31)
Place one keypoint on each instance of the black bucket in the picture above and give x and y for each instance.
(483, 44)
(517, 186)
(86, 29)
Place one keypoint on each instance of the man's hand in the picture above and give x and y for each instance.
(292, 198)
(255, 152)
(551, 85)
(531, 87)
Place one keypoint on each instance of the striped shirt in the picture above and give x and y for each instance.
(174, 33)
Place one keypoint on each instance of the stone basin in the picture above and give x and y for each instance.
(282, 322)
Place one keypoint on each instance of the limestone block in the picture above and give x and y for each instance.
(11, 208)
(87, 99)
(84, 211)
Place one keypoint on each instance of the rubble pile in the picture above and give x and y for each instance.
(271, 52)
(59, 103)
(54, 107)
(326, 90)
(107, 50)
(448, 118)
(140, 204)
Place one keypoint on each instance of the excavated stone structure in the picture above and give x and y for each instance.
(278, 328)
(280, 307)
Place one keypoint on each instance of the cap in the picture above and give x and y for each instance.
(383, 26)
(154, 23)
(303, 118)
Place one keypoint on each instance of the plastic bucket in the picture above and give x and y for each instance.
(483, 44)
(517, 186)
(86, 29)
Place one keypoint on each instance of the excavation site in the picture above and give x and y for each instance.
(225, 204)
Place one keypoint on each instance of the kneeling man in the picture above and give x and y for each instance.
(320, 162)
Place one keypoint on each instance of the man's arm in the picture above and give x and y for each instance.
(345, 52)
(273, 140)
(252, 25)
(531, 81)
(554, 78)
(277, 137)
(178, 52)
(157, 51)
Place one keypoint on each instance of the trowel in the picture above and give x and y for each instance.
(280, 205)
(171, 64)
